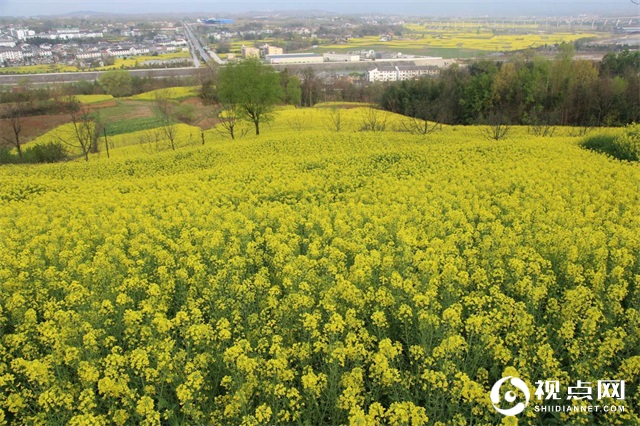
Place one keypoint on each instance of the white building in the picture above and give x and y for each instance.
(21, 34)
(414, 71)
(340, 57)
(7, 42)
(132, 33)
(76, 35)
(400, 73)
(364, 54)
(174, 43)
(383, 73)
(88, 55)
(128, 52)
(68, 35)
(294, 58)
(11, 55)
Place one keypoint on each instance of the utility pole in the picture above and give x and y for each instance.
(106, 142)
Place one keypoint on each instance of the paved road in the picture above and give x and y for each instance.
(192, 49)
(70, 77)
(196, 45)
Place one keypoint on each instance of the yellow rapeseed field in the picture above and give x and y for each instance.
(134, 61)
(38, 69)
(467, 36)
(314, 276)
(171, 93)
(93, 99)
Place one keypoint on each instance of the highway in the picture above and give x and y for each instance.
(197, 49)
(70, 77)
(192, 49)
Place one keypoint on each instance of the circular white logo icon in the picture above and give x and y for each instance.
(510, 396)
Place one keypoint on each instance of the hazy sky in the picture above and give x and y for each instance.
(422, 7)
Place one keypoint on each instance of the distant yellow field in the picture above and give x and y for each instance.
(171, 93)
(93, 99)
(462, 39)
(120, 63)
(38, 69)
(133, 61)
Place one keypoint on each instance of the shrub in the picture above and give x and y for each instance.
(50, 152)
(625, 146)
(185, 113)
(6, 157)
(116, 83)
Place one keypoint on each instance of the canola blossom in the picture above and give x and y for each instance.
(317, 277)
(471, 37)
(93, 99)
(171, 93)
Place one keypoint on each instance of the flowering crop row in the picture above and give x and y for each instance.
(467, 38)
(171, 93)
(93, 99)
(317, 278)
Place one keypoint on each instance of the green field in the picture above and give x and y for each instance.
(131, 125)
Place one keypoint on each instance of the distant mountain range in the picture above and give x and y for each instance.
(283, 8)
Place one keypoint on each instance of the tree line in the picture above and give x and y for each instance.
(530, 91)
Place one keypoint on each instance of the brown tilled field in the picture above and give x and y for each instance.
(32, 127)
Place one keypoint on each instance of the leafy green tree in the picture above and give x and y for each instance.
(252, 87)
(476, 99)
(116, 83)
(292, 92)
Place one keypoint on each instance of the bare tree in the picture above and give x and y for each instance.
(541, 123)
(334, 119)
(231, 121)
(299, 121)
(151, 142)
(164, 111)
(98, 128)
(374, 120)
(424, 116)
(497, 125)
(14, 114)
(84, 134)
(580, 131)
(418, 126)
